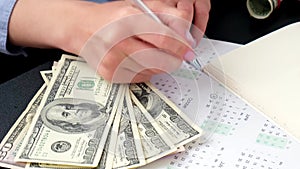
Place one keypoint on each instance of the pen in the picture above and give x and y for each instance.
(142, 6)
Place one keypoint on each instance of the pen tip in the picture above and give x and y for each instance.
(195, 63)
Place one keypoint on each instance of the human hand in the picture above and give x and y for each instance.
(201, 16)
(119, 51)
(196, 14)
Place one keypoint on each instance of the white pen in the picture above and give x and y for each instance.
(142, 6)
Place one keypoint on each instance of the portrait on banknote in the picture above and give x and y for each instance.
(149, 100)
(73, 115)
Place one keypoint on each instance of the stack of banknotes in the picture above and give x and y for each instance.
(79, 120)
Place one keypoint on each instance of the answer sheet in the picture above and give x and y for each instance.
(236, 136)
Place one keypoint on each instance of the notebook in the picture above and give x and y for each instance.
(265, 73)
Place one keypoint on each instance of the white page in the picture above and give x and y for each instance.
(243, 138)
(266, 73)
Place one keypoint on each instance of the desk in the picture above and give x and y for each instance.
(229, 21)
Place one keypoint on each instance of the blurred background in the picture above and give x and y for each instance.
(231, 21)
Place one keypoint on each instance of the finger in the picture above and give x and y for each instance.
(109, 63)
(141, 78)
(128, 71)
(142, 57)
(202, 8)
(183, 27)
(172, 3)
(177, 17)
(136, 60)
(172, 45)
(130, 47)
(116, 67)
(155, 60)
(121, 69)
(130, 77)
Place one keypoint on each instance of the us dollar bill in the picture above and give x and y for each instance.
(129, 151)
(103, 159)
(15, 136)
(46, 75)
(72, 123)
(102, 163)
(51, 166)
(175, 124)
(155, 142)
(114, 135)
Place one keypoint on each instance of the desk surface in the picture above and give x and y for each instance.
(229, 21)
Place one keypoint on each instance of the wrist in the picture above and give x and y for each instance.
(74, 30)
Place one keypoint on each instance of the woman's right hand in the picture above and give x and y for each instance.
(118, 40)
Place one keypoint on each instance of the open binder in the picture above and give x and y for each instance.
(265, 73)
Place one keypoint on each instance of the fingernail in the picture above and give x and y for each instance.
(189, 56)
(190, 39)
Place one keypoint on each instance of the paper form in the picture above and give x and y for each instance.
(242, 137)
